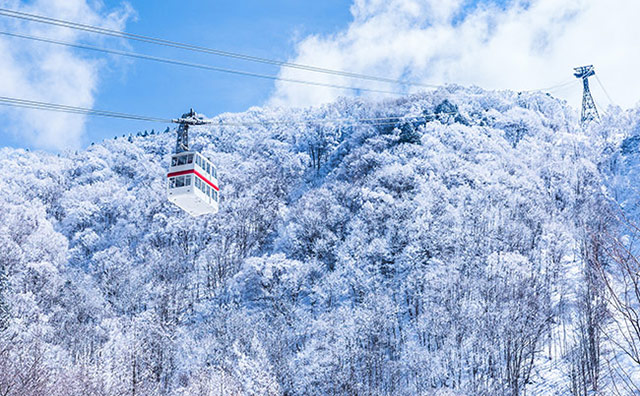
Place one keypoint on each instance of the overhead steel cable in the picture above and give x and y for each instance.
(38, 105)
(605, 90)
(193, 65)
(349, 121)
(561, 86)
(553, 87)
(196, 48)
(32, 104)
(201, 49)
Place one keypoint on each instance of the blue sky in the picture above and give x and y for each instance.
(265, 29)
(256, 27)
(495, 44)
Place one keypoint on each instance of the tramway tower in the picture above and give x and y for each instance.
(589, 111)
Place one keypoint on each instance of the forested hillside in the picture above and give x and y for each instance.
(457, 250)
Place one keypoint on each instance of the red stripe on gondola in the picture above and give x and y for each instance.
(189, 171)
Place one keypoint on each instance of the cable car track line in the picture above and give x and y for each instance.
(342, 122)
(193, 65)
(32, 104)
(190, 47)
(197, 48)
(605, 90)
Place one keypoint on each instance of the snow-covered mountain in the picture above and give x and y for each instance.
(449, 251)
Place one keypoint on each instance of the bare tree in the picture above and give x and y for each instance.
(22, 370)
(619, 272)
(584, 357)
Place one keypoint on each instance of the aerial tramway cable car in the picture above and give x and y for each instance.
(192, 180)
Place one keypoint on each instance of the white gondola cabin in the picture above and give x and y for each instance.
(192, 183)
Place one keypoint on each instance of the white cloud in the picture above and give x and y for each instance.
(525, 45)
(51, 73)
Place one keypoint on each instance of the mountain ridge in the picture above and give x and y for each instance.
(347, 258)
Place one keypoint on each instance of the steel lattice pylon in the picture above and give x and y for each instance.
(589, 111)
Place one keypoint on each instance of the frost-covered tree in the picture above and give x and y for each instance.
(446, 251)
